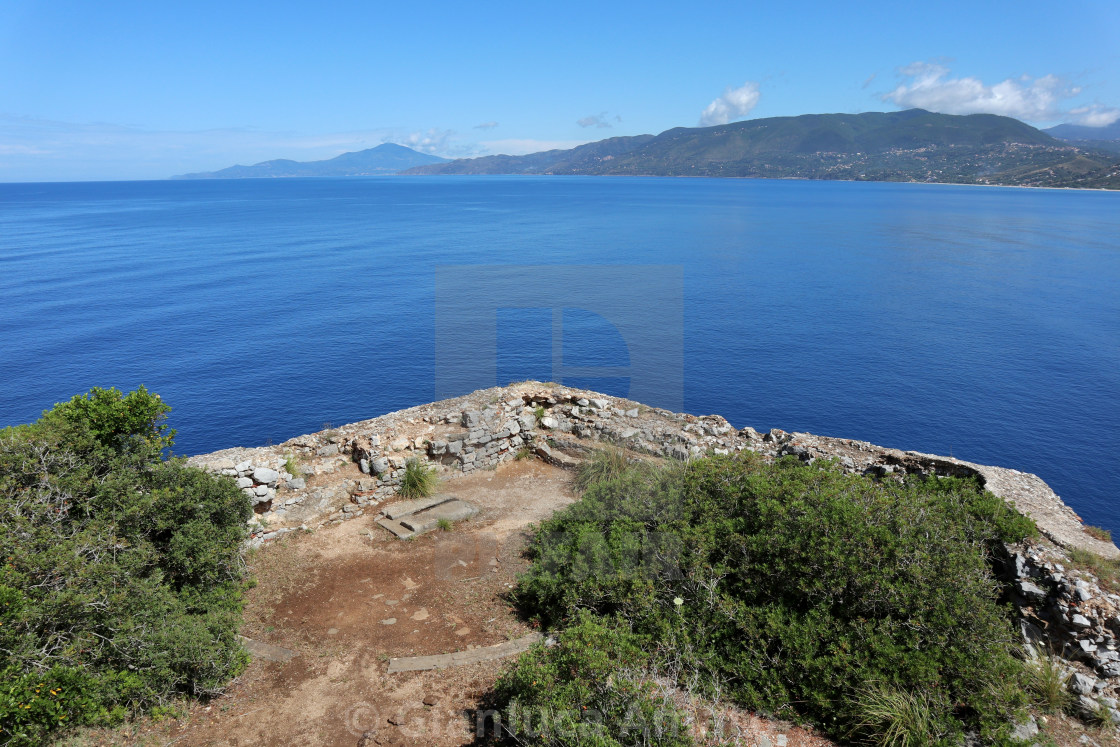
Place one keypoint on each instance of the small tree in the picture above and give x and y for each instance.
(122, 579)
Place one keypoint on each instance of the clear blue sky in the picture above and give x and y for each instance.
(139, 90)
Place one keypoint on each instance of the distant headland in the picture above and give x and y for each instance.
(906, 146)
(387, 158)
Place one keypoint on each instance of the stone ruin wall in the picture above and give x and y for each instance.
(345, 471)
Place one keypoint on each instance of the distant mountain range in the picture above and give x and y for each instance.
(1101, 138)
(913, 145)
(907, 146)
(388, 158)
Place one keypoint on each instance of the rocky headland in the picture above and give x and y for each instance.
(343, 473)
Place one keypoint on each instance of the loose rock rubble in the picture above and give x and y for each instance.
(1065, 613)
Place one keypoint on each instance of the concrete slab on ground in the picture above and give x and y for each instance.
(266, 651)
(459, 658)
(404, 508)
(410, 518)
(429, 519)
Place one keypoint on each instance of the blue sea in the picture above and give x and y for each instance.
(978, 322)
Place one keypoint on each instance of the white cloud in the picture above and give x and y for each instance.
(515, 147)
(435, 141)
(486, 126)
(735, 103)
(1093, 116)
(595, 120)
(426, 142)
(1026, 98)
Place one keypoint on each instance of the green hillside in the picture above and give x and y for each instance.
(581, 159)
(912, 145)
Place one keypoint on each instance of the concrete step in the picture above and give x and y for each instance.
(396, 528)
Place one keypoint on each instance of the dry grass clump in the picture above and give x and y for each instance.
(419, 480)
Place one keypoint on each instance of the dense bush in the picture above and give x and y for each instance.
(122, 577)
(797, 589)
(589, 689)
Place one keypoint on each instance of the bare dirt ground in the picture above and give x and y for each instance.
(349, 597)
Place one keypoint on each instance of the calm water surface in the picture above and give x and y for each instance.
(979, 322)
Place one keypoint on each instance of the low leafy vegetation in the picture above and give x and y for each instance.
(590, 688)
(122, 578)
(793, 589)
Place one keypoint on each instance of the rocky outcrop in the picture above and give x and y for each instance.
(346, 471)
(1064, 613)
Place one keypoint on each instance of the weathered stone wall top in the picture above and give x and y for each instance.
(343, 471)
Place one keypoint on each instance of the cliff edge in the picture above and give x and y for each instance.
(341, 473)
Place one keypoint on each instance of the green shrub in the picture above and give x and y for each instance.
(419, 480)
(591, 688)
(799, 586)
(122, 579)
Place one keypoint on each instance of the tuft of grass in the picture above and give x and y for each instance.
(539, 413)
(605, 465)
(1100, 533)
(419, 480)
(1047, 682)
(444, 525)
(525, 452)
(1105, 569)
(892, 718)
(291, 464)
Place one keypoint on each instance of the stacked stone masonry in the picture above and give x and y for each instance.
(346, 470)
